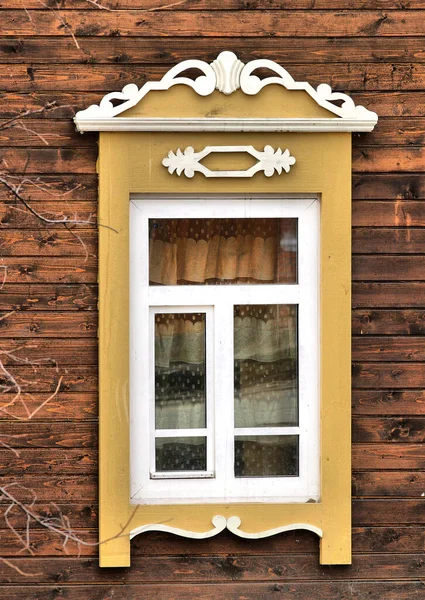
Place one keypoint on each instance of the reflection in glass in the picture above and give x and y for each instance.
(266, 456)
(265, 365)
(222, 251)
(180, 379)
(181, 454)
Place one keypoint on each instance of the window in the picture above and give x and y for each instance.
(224, 144)
(224, 363)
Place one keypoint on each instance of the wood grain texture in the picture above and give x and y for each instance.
(239, 5)
(387, 104)
(119, 50)
(388, 322)
(223, 591)
(348, 77)
(40, 269)
(388, 241)
(389, 349)
(49, 435)
(50, 297)
(222, 568)
(43, 242)
(178, 23)
(81, 324)
(399, 430)
(368, 456)
(65, 406)
(384, 295)
(372, 49)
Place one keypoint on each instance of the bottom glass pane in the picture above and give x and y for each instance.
(266, 456)
(181, 454)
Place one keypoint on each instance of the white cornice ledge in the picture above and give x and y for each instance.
(225, 124)
(226, 74)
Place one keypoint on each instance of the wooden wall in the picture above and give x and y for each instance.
(62, 56)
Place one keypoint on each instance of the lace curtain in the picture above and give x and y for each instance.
(220, 251)
(265, 355)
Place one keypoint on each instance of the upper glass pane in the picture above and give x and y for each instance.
(222, 251)
(180, 379)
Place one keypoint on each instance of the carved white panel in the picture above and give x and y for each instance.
(227, 74)
(220, 523)
(188, 162)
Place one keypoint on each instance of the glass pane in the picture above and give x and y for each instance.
(266, 365)
(266, 456)
(181, 454)
(180, 378)
(222, 251)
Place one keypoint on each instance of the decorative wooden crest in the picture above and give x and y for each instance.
(225, 74)
(188, 162)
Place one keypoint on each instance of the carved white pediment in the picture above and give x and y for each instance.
(226, 74)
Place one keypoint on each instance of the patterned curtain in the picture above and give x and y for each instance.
(220, 251)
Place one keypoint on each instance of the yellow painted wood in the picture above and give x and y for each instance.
(272, 101)
(131, 163)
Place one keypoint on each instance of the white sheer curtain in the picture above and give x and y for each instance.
(265, 353)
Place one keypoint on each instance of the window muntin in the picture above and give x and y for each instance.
(291, 444)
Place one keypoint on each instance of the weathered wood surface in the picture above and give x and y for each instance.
(49, 435)
(46, 379)
(239, 5)
(397, 430)
(66, 351)
(72, 406)
(388, 402)
(387, 104)
(407, 484)
(43, 242)
(40, 269)
(388, 322)
(81, 324)
(390, 241)
(375, 456)
(33, 296)
(372, 49)
(222, 568)
(225, 591)
(80, 215)
(392, 375)
(179, 23)
(44, 462)
(160, 51)
(389, 349)
(384, 295)
(354, 77)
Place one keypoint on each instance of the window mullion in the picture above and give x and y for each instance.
(224, 417)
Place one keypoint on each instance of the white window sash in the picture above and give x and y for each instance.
(217, 301)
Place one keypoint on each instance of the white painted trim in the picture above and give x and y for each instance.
(224, 487)
(188, 162)
(319, 125)
(220, 524)
(226, 74)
